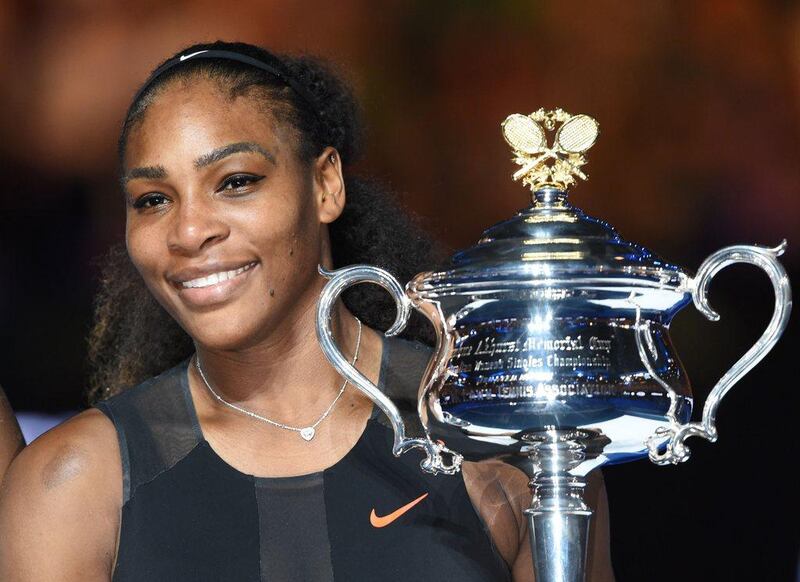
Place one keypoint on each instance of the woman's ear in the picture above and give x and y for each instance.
(329, 191)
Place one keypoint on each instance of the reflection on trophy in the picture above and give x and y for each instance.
(553, 350)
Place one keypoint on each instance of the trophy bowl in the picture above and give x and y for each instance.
(553, 350)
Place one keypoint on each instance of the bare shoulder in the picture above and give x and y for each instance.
(60, 504)
(84, 447)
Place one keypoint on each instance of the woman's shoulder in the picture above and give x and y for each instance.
(79, 453)
(61, 498)
(81, 461)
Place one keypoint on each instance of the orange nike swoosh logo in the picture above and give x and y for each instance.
(387, 519)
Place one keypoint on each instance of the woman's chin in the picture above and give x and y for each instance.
(225, 329)
(224, 339)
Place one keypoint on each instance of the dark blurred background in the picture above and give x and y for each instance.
(699, 108)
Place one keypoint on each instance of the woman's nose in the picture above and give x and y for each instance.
(195, 227)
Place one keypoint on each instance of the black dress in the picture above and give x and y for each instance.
(189, 516)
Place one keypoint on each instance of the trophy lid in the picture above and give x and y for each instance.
(551, 240)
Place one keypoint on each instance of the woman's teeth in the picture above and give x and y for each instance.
(215, 278)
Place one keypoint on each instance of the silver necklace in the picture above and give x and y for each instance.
(307, 432)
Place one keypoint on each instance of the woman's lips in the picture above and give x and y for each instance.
(216, 287)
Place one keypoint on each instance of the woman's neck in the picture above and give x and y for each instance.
(285, 374)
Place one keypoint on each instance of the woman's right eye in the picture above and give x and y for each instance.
(150, 201)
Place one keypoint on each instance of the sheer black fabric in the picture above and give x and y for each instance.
(294, 529)
(189, 516)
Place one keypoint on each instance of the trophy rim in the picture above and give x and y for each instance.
(640, 280)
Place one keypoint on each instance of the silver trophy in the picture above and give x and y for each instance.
(553, 350)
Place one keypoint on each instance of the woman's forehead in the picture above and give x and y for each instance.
(193, 116)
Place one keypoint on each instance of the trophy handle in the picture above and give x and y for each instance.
(436, 453)
(766, 259)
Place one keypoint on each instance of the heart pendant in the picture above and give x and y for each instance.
(308, 433)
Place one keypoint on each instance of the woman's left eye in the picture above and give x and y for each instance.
(238, 182)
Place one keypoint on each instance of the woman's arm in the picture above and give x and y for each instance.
(60, 505)
(11, 441)
(500, 493)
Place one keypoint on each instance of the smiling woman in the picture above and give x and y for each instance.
(239, 453)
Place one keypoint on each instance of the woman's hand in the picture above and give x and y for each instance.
(500, 494)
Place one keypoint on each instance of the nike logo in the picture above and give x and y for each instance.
(385, 520)
(184, 57)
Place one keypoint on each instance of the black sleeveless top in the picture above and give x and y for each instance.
(189, 516)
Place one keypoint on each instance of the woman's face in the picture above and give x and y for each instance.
(225, 224)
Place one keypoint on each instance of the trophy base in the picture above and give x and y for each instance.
(558, 544)
(558, 517)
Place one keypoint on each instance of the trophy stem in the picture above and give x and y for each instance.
(558, 517)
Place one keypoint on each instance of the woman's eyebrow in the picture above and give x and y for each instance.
(146, 172)
(228, 150)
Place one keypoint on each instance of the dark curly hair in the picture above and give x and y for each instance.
(133, 338)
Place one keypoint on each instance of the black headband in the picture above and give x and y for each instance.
(233, 56)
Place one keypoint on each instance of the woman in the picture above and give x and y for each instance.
(250, 459)
(11, 442)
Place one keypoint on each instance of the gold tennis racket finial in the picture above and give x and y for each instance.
(543, 166)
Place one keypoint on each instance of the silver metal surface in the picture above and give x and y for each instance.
(558, 517)
(766, 259)
(553, 350)
(438, 459)
(539, 329)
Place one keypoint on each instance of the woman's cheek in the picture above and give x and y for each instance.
(146, 258)
(287, 267)
(142, 255)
